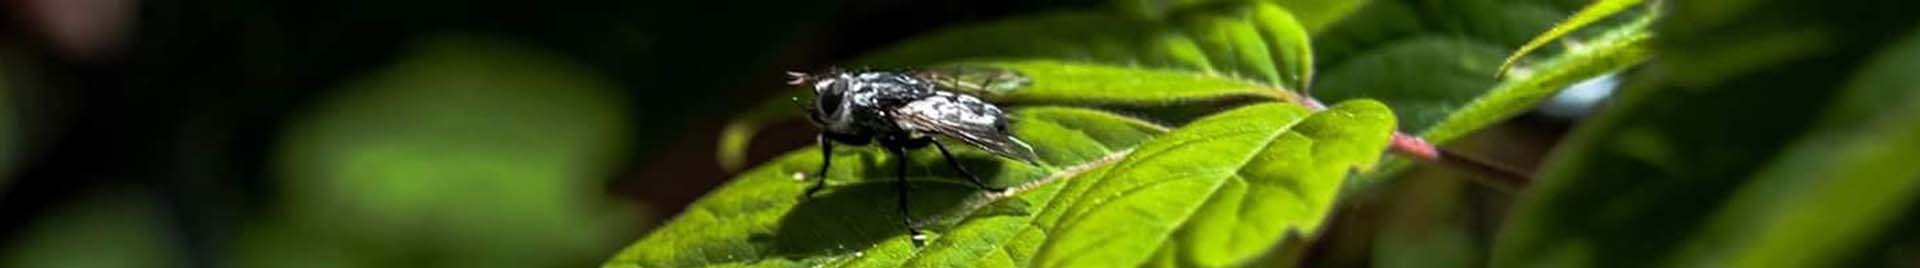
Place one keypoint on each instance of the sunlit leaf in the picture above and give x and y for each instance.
(1260, 173)
(1314, 14)
(1600, 9)
(1618, 49)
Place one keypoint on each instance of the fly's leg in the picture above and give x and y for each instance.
(963, 170)
(900, 180)
(826, 160)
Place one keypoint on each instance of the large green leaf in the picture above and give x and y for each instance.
(1219, 191)
(1721, 157)
(1258, 42)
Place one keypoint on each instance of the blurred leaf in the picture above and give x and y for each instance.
(1268, 170)
(1859, 157)
(469, 152)
(1424, 79)
(114, 227)
(1314, 14)
(1317, 15)
(1592, 13)
(1668, 172)
(1426, 223)
(10, 143)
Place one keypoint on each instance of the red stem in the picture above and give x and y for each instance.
(1419, 149)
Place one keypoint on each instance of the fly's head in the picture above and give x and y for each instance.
(841, 99)
(829, 96)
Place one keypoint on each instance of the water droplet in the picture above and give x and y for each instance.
(859, 254)
(920, 237)
(799, 176)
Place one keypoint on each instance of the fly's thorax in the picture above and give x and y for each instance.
(860, 102)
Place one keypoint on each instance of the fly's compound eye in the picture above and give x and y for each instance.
(828, 102)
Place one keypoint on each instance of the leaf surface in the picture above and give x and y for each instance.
(1217, 191)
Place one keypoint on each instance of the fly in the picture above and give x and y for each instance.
(906, 110)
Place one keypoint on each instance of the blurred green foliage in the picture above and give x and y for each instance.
(468, 152)
(114, 226)
(10, 145)
(1770, 134)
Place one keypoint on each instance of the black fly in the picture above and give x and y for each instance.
(903, 110)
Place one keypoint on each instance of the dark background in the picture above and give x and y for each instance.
(183, 107)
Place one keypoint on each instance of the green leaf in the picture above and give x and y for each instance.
(1860, 157)
(1592, 13)
(1220, 190)
(1707, 159)
(1613, 51)
(1281, 193)
(113, 226)
(1427, 59)
(1314, 14)
(1424, 79)
(1260, 42)
(467, 144)
(1317, 15)
(1092, 85)
(1442, 104)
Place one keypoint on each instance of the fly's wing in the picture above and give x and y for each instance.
(965, 118)
(977, 80)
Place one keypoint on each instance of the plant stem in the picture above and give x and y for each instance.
(1490, 174)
